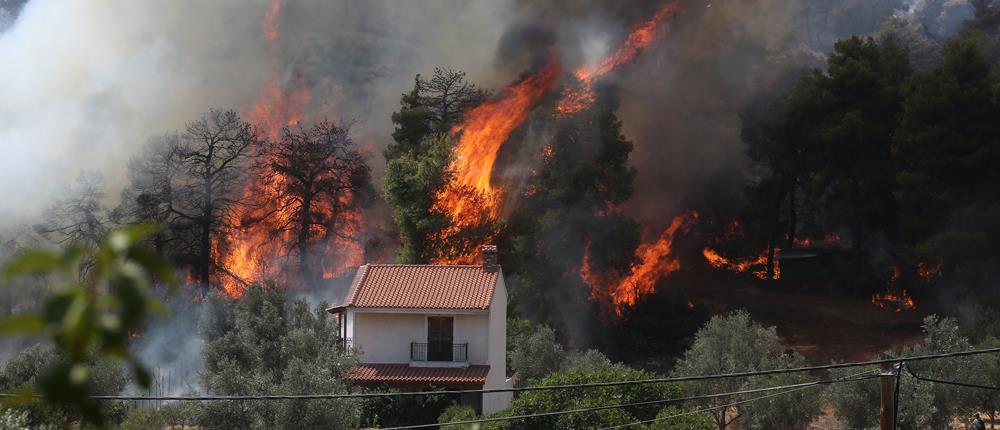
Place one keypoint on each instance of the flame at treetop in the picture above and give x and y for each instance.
(655, 261)
(577, 99)
(471, 198)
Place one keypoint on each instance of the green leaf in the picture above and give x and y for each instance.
(22, 323)
(31, 262)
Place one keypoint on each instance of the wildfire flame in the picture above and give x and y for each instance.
(270, 21)
(894, 299)
(655, 261)
(928, 271)
(756, 266)
(472, 198)
(577, 99)
(896, 302)
(251, 252)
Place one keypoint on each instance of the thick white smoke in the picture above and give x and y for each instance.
(83, 84)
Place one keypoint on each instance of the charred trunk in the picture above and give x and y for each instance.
(305, 222)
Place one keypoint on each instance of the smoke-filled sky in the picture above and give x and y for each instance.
(84, 84)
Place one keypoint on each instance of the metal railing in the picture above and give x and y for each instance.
(454, 352)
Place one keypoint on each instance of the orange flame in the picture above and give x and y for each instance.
(894, 299)
(756, 266)
(578, 99)
(655, 262)
(251, 251)
(928, 271)
(471, 198)
(898, 303)
(270, 21)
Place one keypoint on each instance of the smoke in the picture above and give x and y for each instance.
(86, 84)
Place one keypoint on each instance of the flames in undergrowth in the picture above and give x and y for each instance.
(757, 266)
(580, 97)
(471, 199)
(895, 299)
(654, 261)
(253, 249)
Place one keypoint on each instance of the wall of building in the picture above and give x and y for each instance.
(497, 378)
(385, 337)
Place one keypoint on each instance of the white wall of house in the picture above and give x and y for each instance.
(385, 336)
(497, 378)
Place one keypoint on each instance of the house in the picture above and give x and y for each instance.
(422, 326)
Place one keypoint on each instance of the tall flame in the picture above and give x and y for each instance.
(577, 99)
(655, 261)
(271, 21)
(251, 251)
(472, 198)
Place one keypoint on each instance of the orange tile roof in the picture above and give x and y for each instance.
(421, 287)
(374, 373)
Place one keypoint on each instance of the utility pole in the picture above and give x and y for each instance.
(889, 389)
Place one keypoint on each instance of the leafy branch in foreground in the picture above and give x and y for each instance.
(95, 312)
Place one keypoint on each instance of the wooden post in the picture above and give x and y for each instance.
(887, 389)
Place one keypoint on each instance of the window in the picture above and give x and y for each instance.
(440, 338)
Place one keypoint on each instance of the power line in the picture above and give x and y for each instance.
(854, 378)
(549, 387)
(942, 381)
(646, 403)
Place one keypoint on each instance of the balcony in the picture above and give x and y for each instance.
(439, 352)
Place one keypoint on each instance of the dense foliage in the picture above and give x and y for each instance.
(276, 346)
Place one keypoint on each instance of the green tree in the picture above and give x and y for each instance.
(735, 343)
(560, 400)
(277, 346)
(946, 152)
(676, 418)
(456, 413)
(417, 163)
(537, 355)
(865, 80)
(412, 181)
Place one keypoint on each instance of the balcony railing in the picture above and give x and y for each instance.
(454, 352)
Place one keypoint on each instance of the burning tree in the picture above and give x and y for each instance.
(213, 154)
(418, 164)
(319, 182)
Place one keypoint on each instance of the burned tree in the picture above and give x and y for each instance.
(77, 216)
(321, 181)
(149, 196)
(213, 155)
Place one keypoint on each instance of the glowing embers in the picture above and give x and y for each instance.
(894, 299)
(579, 97)
(654, 261)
